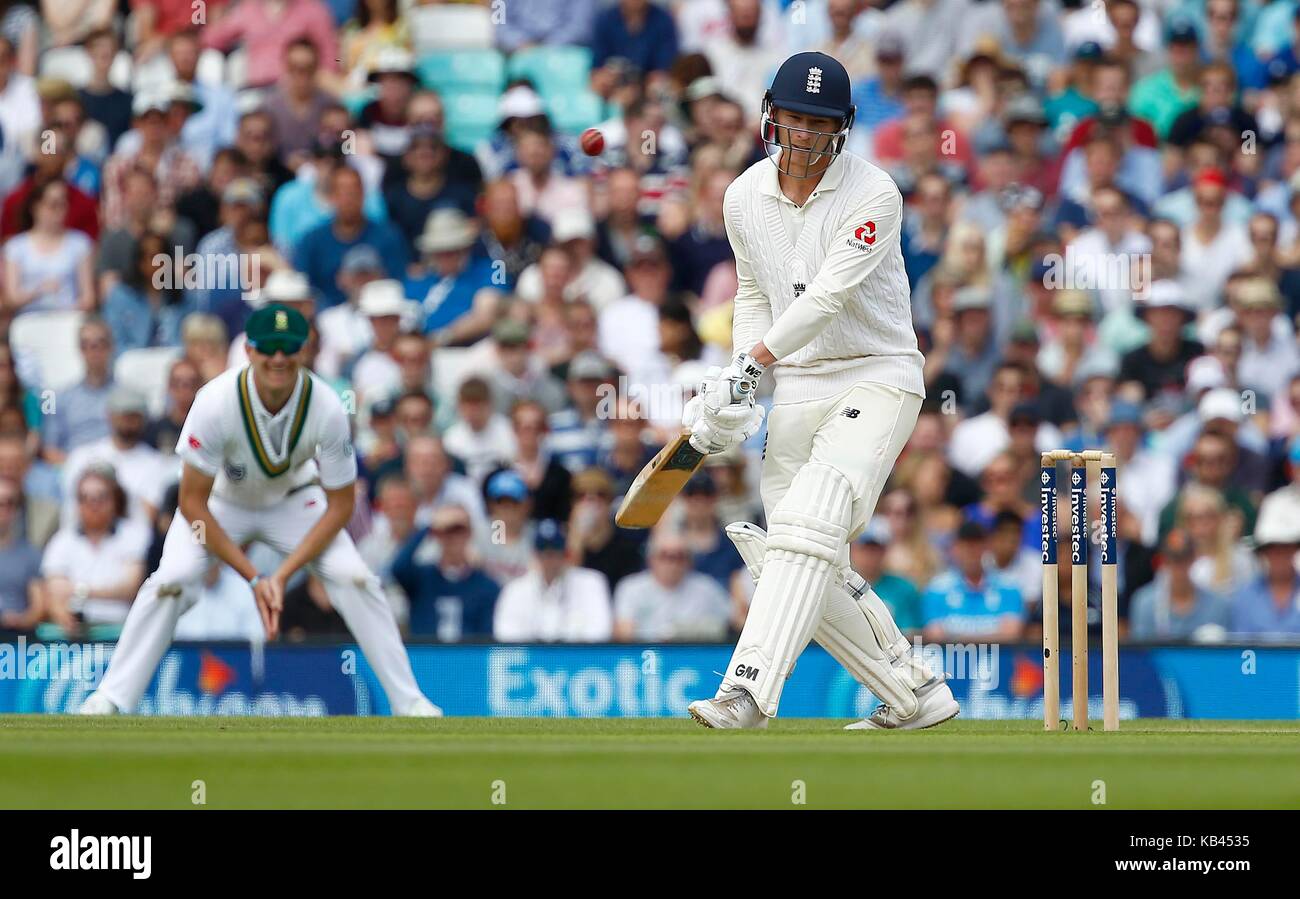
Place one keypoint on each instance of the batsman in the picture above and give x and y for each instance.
(822, 300)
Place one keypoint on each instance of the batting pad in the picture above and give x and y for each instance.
(808, 528)
(848, 630)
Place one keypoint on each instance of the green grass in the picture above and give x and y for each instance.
(69, 762)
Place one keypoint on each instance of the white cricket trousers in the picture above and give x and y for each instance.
(353, 590)
(860, 432)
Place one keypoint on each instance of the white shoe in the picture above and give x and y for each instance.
(422, 708)
(98, 704)
(935, 705)
(732, 710)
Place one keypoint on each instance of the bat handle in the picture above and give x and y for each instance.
(740, 391)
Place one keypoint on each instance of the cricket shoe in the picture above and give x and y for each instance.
(735, 709)
(422, 708)
(98, 704)
(934, 705)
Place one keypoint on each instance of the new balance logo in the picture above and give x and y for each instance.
(745, 672)
(814, 85)
(850, 412)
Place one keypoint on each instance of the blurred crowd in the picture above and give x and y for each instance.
(1100, 233)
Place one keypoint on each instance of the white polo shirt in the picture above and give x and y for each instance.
(97, 564)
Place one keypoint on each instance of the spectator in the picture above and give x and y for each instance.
(1164, 95)
(146, 309)
(912, 553)
(22, 593)
(377, 373)
(306, 202)
(158, 153)
(256, 139)
(968, 600)
(1029, 34)
(879, 98)
(975, 441)
(296, 104)
(1222, 564)
(578, 433)
(1212, 247)
(507, 553)
(428, 471)
(386, 119)
(142, 213)
(900, 596)
(451, 597)
(711, 550)
(1270, 356)
(320, 252)
(377, 25)
(556, 601)
(668, 601)
(516, 373)
(511, 239)
(1159, 364)
(628, 329)
(1149, 481)
(931, 32)
(427, 183)
(205, 343)
(183, 383)
(346, 330)
(138, 468)
(630, 40)
(201, 206)
(1267, 606)
(458, 291)
(1173, 607)
(57, 164)
(391, 527)
(519, 111)
(94, 566)
(103, 101)
(265, 29)
(548, 481)
(596, 542)
(542, 190)
(629, 450)
(82, 415)
(547, 23)
(20, 115)
(39, 496)
(973, 354)
(481, 438)
(47, 266)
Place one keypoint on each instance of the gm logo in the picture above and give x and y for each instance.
(745, 672)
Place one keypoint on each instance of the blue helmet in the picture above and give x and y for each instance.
(812, 84)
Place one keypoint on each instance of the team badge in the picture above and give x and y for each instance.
(281, 321)
(814, 85)
(235, 472)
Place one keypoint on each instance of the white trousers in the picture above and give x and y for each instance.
(860, 432)
(353, 590)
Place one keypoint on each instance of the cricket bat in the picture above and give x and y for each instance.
(664, 476)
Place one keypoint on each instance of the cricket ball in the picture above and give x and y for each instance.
(592, 142)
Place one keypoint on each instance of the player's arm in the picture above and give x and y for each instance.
(192, 503)
(751, 313)
(338, 475)
(865, 240)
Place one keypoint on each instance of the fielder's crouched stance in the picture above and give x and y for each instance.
(267, 457)
(849, 388)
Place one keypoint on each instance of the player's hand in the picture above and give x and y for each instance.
(713, 431)
(269, 593)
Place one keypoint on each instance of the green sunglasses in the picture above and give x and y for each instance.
(273, 345)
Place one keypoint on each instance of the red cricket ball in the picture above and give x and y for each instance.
(592, 142)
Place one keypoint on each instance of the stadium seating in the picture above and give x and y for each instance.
(470, 118)
(145, 370)
(453, 71)
(553, 70)
(447, 27)
(573, 112)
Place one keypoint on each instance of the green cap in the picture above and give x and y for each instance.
(276, 327)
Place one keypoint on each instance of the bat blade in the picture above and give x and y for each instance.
(658, 483)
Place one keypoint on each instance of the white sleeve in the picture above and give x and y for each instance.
(509, 618)
(334, 455)
(57, 560)
(751, 313)
(865, 239)
(200, 443)
(597, 617)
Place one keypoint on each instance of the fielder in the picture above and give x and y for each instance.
(267, 457)
(824, 301)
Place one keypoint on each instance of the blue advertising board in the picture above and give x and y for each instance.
(990, 680)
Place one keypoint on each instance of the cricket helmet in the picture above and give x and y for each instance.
(813, 84)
